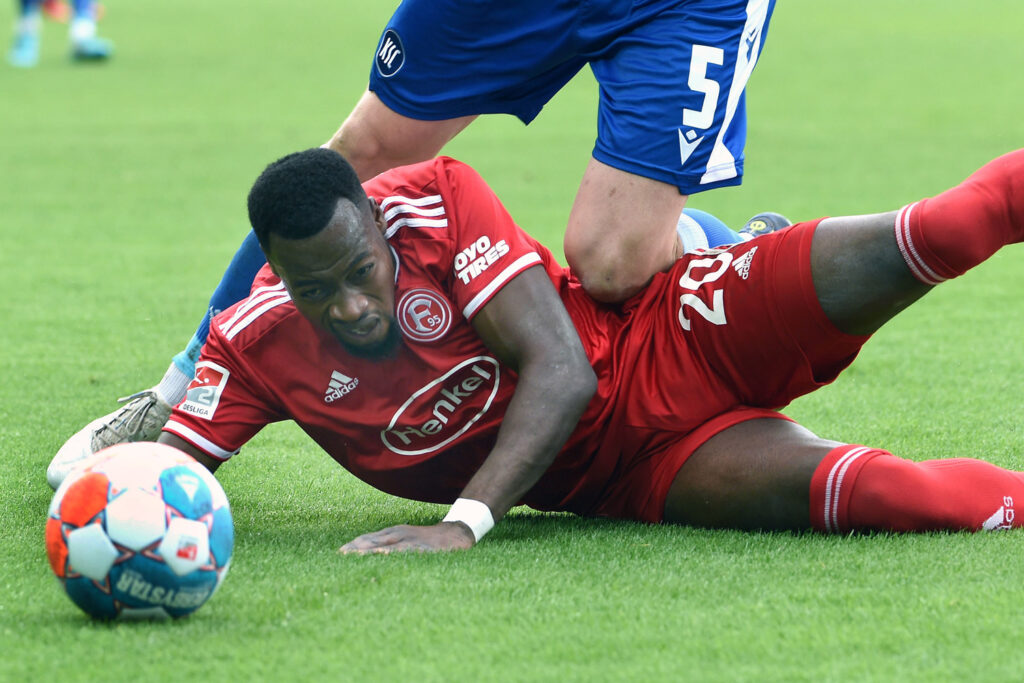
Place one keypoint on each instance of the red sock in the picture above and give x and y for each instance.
(945, 236)
(857, 488)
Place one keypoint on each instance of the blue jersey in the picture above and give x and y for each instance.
(672, 73)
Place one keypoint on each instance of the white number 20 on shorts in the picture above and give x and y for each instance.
(715, 268)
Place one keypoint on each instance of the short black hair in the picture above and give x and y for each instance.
(295, 197)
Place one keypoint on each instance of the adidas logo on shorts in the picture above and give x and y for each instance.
(339, 386)
(1001, 518)
(742, 264)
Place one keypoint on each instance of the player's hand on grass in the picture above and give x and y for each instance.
(405, 538)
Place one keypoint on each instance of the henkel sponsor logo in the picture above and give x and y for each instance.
(444, 409)
(203, 394)
(478, 257)
(423, 314)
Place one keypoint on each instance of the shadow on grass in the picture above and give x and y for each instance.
(303, 528)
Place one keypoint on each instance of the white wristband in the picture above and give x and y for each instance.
(474, 514)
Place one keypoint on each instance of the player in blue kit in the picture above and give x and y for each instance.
(85, 44)
(671, 111)
(671, 122)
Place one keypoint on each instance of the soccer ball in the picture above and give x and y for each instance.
(142, 530)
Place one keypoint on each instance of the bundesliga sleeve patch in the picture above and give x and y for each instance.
(204, 392)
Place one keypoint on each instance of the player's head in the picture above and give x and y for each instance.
(324, 239)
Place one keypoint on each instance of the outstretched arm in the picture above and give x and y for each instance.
(528, 328)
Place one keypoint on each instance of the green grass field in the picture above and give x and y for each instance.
(122, 192)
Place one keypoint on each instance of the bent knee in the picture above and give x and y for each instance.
(613, 271)
(609, 285)
(363, 149)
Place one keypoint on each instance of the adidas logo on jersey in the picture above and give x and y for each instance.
(339, 386)
(742, 264)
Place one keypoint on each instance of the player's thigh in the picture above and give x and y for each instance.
(375, 138)
(860, 276)
(672, 92)
(753, 475)
(621, 221)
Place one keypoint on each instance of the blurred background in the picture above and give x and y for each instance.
(122, 198)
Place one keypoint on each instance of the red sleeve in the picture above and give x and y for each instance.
(222, 408)
(489, 248)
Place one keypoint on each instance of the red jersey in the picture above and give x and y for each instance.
(419, 425)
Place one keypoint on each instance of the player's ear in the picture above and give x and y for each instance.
(378, 215)
(273, 268)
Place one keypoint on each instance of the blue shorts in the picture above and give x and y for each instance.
(672, 73)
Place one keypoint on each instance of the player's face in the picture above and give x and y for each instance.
(343, 279)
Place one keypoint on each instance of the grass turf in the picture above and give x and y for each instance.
(122, 197)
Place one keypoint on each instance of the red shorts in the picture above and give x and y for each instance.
(725, 336)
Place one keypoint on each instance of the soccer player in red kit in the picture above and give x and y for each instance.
(439, 353)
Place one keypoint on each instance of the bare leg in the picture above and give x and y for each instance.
(375, 139)
(859, 275)
(864, 276)
(621, 231)
(773, 475)
(755, 475)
